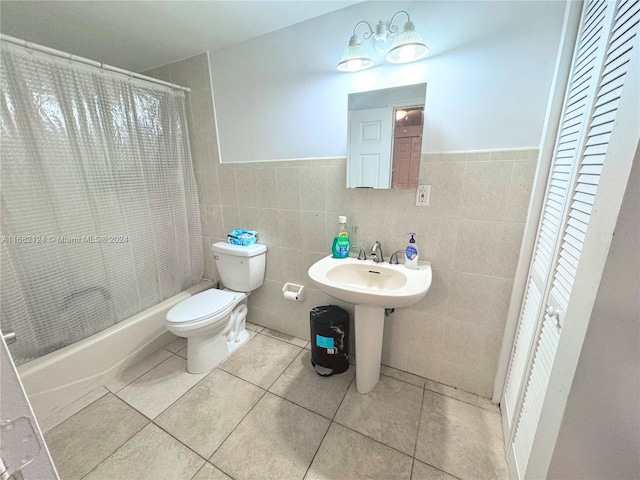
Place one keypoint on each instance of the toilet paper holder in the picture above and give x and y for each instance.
(292, 291)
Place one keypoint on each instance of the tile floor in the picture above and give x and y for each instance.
(265, 414)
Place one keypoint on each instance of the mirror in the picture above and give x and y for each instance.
(384, 138)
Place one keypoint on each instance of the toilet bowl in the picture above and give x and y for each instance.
(213, 321)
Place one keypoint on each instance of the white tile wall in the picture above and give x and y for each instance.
(471, 233)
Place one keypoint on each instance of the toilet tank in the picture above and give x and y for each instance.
(241, 268)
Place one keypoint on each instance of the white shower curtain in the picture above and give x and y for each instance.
(100, 216)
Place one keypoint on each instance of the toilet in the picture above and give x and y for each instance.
(213, 321)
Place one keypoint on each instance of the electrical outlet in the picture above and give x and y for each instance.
(422, 195)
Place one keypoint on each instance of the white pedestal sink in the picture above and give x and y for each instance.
(370, 287)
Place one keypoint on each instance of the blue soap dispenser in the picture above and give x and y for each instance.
(411, 253)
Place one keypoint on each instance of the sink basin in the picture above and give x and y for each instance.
(364, 282)
(370, 287)
(367, 276)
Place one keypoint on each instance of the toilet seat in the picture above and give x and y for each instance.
(201, 307)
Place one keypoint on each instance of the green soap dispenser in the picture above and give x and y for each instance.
(341, 244)
(411, 253)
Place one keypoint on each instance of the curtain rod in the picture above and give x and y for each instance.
(58, 53)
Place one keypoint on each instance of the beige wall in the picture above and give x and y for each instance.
(470, 233)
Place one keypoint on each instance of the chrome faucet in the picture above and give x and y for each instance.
(376, 252)
(362, 255)
(394, 257)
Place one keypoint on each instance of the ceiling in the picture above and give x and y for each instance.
(138, 35)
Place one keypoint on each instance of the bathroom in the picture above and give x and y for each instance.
(491, 117)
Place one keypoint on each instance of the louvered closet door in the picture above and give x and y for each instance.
(606, 44)
(579, 96)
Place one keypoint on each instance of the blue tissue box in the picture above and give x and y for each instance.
(242, 237)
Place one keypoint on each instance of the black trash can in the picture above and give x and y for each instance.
(329, 339)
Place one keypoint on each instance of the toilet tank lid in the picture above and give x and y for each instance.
(239, 250)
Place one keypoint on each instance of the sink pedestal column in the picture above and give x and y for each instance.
(369, 325)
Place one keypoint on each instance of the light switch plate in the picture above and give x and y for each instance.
(422, 195)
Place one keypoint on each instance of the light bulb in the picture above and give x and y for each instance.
(407, 53)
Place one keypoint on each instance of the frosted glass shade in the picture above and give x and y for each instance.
(355, 57)
(408, 47)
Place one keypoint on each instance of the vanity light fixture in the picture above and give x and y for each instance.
(407, 47)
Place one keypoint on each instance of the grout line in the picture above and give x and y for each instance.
(143, 374)
(474, 220)
(199, 470)
(415, 442)
(235, 182)
(240, 378)
(177, 439)
(107, 391)
(343, 397)
(312, 411)
(137, 410)
(501, 243)
(458, 214)
(288, 401)
(415, 448)
(290, 363)
(463, 401)
(287, 367)
(264, 392)
(509, 191)
(177, 399)
(473, 274)
(83, 408)
(399, 379)
(371, 438)
(191, 388)
(179, 356)
(152, 420)
(284, 398)
(219, 468)
(119, 447)
(331, 422)
(434, 467)
(283, 333)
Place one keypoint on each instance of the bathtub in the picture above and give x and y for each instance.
(61, 377)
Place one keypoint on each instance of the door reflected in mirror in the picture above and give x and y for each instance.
(385, 132)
